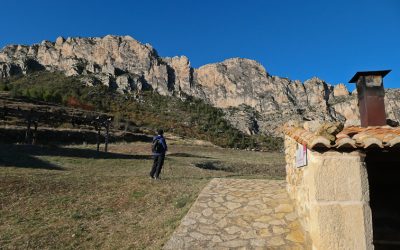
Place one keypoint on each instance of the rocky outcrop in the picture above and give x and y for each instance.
(121, 62)
(254, 100)
(340, 90)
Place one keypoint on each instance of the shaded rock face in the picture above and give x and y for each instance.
(254, 101)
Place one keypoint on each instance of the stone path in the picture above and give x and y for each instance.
(240, 214)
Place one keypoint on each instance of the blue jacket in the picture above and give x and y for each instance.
(163, 142)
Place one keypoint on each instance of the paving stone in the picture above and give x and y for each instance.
(264, 232)
(295, 224)
(279, 196)
(232, 205)
(198, 236)
(248, 234)
(188, 222)
(222, 223)
(258, 242)
(213, 204)
(264, 218)
(202, 204)
(279, 215)
(291, 217)
(188, 239)
(262, 206)
(278, 230)
(208, 230)
(285, 208)
(260, 225)
(218, 216)
(219, 199)
(207, 212)
(255, 202)
(241, 223)
(296, 236)
(228, 237)
(232, 229)
(277, 222)
(275, 241)
(234, 243)
(216, 239)
(206, 221)
(230, 197)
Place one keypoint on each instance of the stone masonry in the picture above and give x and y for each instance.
(331, 197)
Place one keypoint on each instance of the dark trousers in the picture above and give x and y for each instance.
(157, 165)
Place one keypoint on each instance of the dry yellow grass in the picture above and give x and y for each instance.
(71, 197)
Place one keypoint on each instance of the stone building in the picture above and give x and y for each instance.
(346, 188)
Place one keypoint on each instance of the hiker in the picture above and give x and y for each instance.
(159, 147)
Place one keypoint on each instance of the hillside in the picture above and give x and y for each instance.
(64, 101)
(253, 100)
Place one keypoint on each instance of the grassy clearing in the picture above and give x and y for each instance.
(72, 197)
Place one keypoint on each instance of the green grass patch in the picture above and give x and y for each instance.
(138, 194)
(181, 201)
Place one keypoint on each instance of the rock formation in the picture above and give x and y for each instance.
(254, 100)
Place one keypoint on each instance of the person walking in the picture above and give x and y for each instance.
(158, 148)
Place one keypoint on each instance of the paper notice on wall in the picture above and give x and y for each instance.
(301, 155)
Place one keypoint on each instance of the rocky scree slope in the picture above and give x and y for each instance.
(253, 100)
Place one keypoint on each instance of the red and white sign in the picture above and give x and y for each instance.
(301, 155)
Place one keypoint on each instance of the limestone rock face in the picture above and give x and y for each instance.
(240, 81)
(392, 104)
(113, 60)
(180, 73)
(254, 101)
(340, 90)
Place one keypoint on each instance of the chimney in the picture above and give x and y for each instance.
(371, 96)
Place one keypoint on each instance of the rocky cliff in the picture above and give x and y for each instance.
(254, 100)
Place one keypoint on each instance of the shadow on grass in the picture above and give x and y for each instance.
(24, 156)
(64, 137)
(212, 165)
(187, 155)
(27, 161)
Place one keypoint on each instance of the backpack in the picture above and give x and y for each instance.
(157, 146)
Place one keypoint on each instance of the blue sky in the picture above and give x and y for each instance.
(295, 39)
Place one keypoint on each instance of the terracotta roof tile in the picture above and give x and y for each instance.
(348, 138)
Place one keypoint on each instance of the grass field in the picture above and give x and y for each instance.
(72, 197)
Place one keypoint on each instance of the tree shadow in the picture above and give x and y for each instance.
(25, 156)
(212, 165)
(188, 155)
(11, 156)
(65, 137)
(77, 152)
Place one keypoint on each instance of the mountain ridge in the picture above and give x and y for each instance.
(254, 100)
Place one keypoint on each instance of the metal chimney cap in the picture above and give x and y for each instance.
(382, 73)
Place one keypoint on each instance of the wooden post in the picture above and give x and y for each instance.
(4, 112)
(34, 137)
(28, 132)
(107, 134)
(98, 137)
